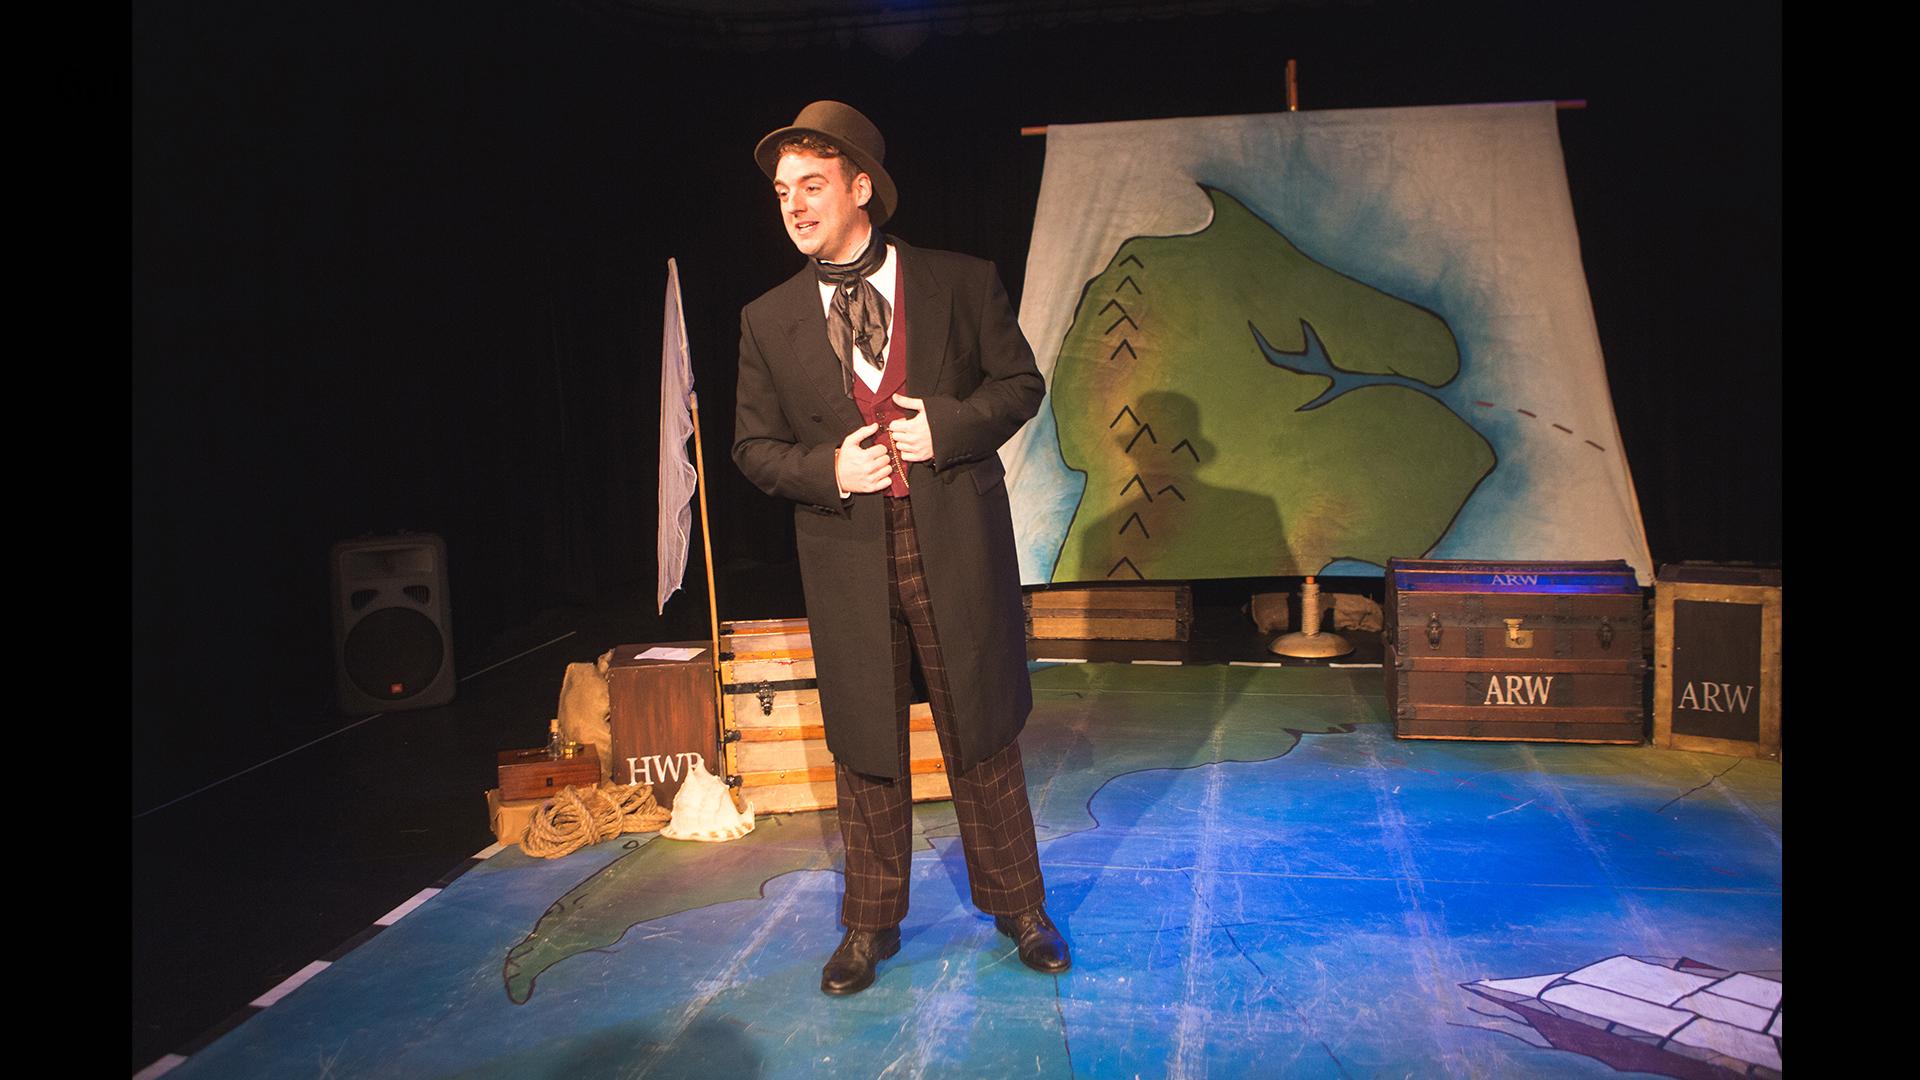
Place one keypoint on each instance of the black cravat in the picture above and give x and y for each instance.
(858, 313)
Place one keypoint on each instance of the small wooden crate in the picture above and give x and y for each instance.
(776, 741)
(1524, 651)
(662, 717)
(1716, 659)
(1110, 612)
(531, 774)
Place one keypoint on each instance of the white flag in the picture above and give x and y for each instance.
(677, 476)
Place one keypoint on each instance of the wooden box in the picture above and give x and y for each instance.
(776, 742)
(1110, 612)
(663, 718)
(1527, 651)
(1716, 659)
(531, 774)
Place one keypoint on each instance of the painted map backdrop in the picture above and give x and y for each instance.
(1305, 343)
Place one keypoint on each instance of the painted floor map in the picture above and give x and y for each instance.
(1306, 343)
(1256, 877)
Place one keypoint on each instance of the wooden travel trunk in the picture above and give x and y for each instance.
(1529, 651)
(1118, 612)
(776, 742)
(1716, 659)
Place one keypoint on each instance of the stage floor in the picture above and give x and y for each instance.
(1256, 877)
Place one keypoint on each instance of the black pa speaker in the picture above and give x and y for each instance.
(392, 642)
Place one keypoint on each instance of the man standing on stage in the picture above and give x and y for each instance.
(876, 387)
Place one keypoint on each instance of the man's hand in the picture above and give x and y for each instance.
(859, 468)
(911, 436)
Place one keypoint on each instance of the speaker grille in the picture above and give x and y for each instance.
(393, 654)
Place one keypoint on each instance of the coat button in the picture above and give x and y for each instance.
(815, 418)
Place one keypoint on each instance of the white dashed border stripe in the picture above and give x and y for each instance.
(402, 911)
(161, 1067)
(289, 984)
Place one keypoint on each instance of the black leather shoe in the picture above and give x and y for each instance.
(850, 969)
(1041, 946)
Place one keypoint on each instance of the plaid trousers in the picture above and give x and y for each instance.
(990, 799)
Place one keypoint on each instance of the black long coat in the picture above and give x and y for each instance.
(967, 359)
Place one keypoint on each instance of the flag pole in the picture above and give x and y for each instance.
(713, 599)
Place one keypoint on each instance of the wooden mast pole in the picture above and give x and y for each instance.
(1293, 106)
(713, 599)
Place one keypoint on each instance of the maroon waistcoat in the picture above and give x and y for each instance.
(877, 406)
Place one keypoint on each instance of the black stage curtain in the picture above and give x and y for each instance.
(401, 267)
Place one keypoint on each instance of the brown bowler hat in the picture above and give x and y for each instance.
(855, 135)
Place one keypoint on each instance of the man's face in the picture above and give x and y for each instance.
(823, 213)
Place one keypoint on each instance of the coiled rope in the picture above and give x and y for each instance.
(578, 817)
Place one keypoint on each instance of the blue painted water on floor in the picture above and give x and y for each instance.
(1308, 915)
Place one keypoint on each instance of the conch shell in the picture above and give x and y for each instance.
(703, 809)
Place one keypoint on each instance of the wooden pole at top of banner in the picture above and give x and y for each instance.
(1293, 85)
(1293, 104)
(713, 598)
